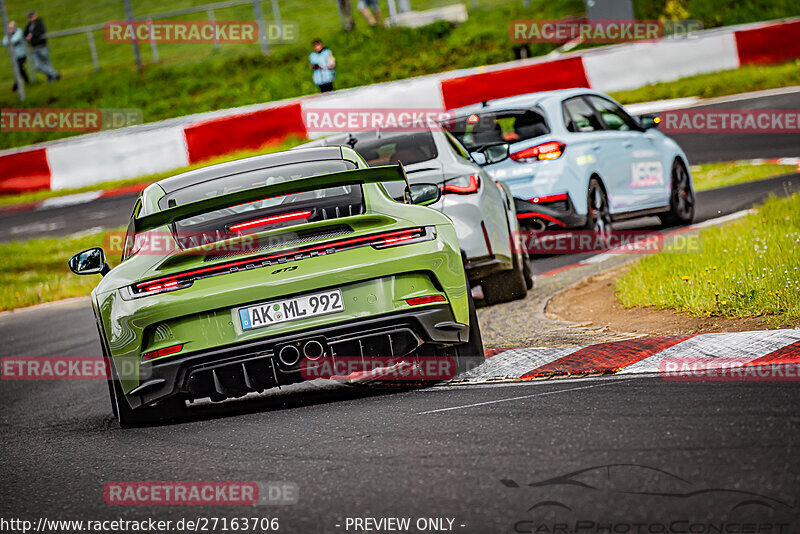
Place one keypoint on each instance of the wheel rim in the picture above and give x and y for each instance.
(598, 210)
(682, 196)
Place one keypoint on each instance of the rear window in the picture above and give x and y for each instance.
(390, 149)
(252, 179)
(477, 130)
(259, 215)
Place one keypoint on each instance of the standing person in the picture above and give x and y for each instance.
(323, 66)
(371, 9)
(17, 39)
(34, 33)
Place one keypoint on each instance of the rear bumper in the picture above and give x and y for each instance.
(253, 366)
(542, 217)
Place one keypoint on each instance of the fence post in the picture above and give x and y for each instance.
(11, 55)
(276, 14)
(153, 45)
(262, 29)
(392, 12)
(129, 15)
(93, 50)
(212, 20)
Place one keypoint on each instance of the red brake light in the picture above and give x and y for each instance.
(269, 220)
(428, 299)
(551, 150)
(471, 187)
(378, 241)
(166, 351)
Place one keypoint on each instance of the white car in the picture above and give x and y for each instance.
(482, 210)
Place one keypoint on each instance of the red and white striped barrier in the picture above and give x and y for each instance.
(175, 143)
(641, 355)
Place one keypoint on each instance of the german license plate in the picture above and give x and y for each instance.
(281, 311)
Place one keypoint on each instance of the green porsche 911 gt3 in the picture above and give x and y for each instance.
(235, 275)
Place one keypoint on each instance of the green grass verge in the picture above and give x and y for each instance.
(35, 271)
(728, 82)
(747, 268)
(7, 200)
(714, 175)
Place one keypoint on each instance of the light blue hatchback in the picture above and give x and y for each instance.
(576, 158)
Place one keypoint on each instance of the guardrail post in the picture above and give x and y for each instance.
(262, 29)
(93, 50)
(212, 20)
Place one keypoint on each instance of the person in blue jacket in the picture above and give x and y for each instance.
(323, 66)
(17, 40)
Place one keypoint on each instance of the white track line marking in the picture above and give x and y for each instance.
(497, 401)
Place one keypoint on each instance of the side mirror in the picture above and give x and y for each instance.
(90, 261)
(478, 157)
(649, 121)
(425, 194)
(495, 153)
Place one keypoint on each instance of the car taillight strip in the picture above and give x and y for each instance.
(380, 241)
(166, 351)
(427, 299)
(471, 187)
(270, 220)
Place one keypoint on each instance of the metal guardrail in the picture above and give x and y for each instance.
(208, 9)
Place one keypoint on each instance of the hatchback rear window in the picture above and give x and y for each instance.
(477, 130)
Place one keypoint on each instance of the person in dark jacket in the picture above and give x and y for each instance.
(34, 33)
(15, 39)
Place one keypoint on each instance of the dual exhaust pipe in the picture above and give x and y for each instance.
(289, 355)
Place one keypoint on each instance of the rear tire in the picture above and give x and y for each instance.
(681, 198)
(171, 408)
(470, 354)
(508, 285)
(598, 215)
(526, 270)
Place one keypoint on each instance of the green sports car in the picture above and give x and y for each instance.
(235, 275)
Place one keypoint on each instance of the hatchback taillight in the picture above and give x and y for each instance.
(545, 151)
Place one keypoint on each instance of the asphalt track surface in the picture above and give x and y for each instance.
(685, 453)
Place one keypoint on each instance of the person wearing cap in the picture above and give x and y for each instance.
(35, 34)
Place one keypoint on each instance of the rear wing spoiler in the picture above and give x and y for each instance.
(385, 173)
